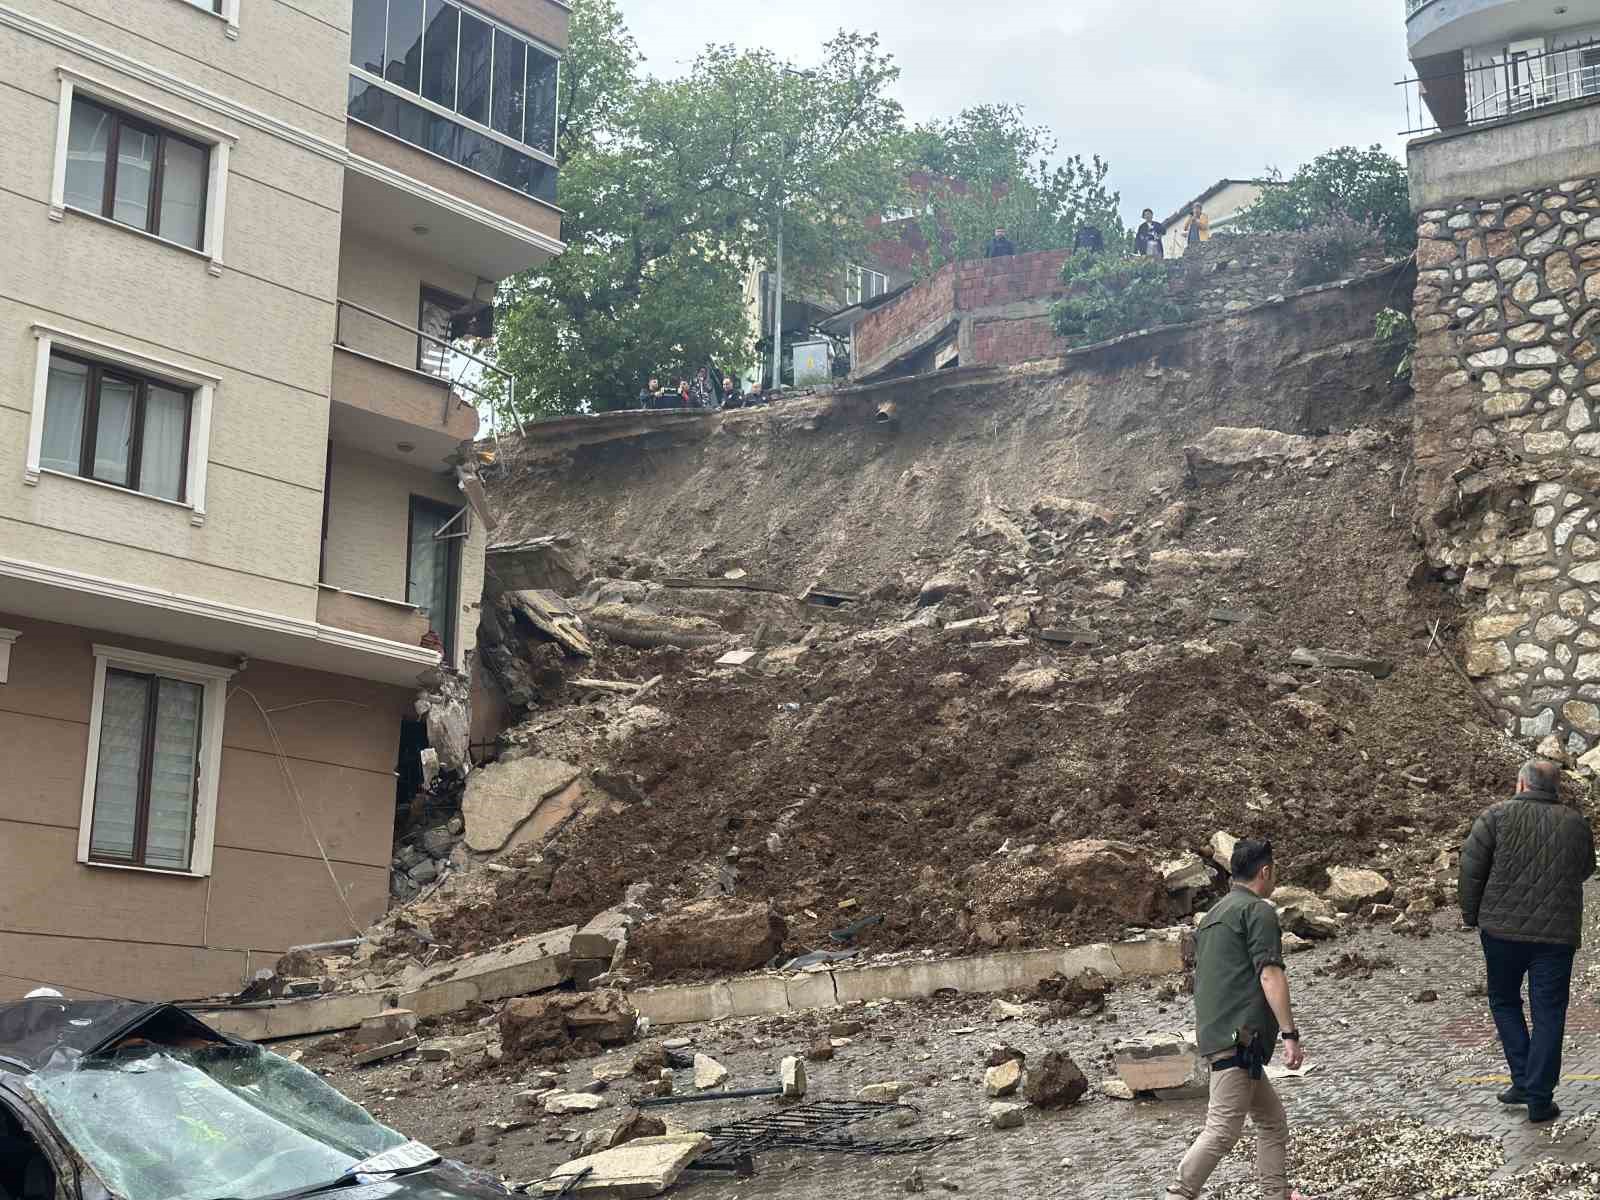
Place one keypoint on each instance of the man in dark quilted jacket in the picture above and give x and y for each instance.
(1522, 875)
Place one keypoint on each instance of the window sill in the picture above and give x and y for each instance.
(405, 604)
(213, 266)
(170, 872)
(229, 16)
(194, 517)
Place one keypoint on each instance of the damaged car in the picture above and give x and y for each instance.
(116, 1098)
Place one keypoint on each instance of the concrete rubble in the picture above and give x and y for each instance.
(644, 1167)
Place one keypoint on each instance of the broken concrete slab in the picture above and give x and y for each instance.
(560, 1103)
(604, 933)
(1156, 1061)
(390, 1025)
(1194, 562)
(276, 1019)
(735, 658)
(515, 969)
(553, 617)
(1339, 660)
(501, 797)
(644, 1167)
(792, 1074)
(388, 1050)
(1186, 873)
(886, 1092)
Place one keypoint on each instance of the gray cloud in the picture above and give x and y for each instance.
(1175, 94)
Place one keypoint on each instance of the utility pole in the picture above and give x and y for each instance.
(777, 304)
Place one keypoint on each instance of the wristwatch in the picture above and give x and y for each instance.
(1291, 1035)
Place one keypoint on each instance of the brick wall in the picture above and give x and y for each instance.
(1003, 342)
(906, 314)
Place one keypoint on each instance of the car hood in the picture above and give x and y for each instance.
(445, 1180)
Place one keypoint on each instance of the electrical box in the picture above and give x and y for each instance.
(813, 362)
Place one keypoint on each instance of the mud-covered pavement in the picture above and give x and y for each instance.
(1378, 1055)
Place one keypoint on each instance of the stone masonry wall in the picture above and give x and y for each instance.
(1508, 454)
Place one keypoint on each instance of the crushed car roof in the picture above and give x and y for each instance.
(31, 1031)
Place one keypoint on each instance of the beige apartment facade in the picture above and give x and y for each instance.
(235, 446)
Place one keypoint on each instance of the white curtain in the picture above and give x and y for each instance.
(170, 830)
(64, 400)
(421, 588)
(113, 433)
(87, 137)
(136, 163)
(183, 189)
(161, 451)
(116, 780)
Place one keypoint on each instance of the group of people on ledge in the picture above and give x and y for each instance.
(701, 392)
(1148, 239)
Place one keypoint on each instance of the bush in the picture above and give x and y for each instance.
(1327, 252)
(1112, 296)
(1395, 333)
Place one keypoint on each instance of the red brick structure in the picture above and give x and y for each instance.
(993, 311)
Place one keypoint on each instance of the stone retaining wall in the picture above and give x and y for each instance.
(1508, 453)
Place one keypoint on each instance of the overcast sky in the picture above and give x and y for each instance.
(1176, 94)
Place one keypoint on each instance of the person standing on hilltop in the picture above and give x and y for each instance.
(1147, 240)
(1197, 228)
(1000, 246)
(1241, 1007)
(1521, 886)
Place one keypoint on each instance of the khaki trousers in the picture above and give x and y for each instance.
(1235, 1096)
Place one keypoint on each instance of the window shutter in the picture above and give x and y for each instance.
(116, 787)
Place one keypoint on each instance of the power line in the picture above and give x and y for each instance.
(73, 987)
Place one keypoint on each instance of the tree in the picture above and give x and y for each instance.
(992, 169)
(672, 190)
(1114, 294)
(1370, 186)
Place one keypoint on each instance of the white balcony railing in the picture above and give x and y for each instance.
(1507, 89)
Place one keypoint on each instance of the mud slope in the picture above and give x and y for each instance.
(818, 489)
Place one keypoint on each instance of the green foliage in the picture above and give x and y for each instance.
(1395, 332)
(1113, 295)
(1368, 186)
(1327, 252)
(672, 189)
(1005, 164)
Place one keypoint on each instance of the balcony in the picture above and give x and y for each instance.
(386, 403)
(1506, 86)
(391, 620)
(1449, 26)
(451, 128)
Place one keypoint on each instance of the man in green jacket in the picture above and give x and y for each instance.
(1241, 1004)
(1522, 875)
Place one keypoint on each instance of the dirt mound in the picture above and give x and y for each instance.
(892, 765)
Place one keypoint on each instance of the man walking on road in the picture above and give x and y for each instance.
(1241, 1003)
(1522, 875)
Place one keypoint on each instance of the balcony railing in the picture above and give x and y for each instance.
(1509, 86)
(1413, 7)
(456, 372)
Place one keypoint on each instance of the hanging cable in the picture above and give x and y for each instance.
(300, 802)
(68, 987)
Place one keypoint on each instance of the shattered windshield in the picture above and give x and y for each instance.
(202, 1123)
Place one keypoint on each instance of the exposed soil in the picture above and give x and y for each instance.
(885, 764)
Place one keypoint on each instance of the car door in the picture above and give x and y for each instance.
(28, 1149)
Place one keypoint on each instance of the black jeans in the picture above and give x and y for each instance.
(1535, 1061)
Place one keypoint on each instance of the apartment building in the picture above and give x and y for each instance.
(235, 445)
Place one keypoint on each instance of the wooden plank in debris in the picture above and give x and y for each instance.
(1339, 660)
(1231, 616)
(621, 686)
(387, 1050)
(1071, 637)
(824, 596)
(551, 615)
(739, 585)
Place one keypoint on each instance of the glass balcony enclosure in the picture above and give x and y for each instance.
(458, 85)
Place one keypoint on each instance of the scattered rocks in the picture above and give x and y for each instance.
(792, 1075)
(1114, 1089)
(1155, 1062)
(708, 1073)
(550, 1026)
(1003, 1079)
(1003, 1115)
(820, 1050)
(891, 1090)
(1349, 888)
(720, 934)
(561, 1103)
(1055, 1081)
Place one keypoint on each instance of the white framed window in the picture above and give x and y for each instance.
(863, 283)
(228, 10)
(141, 166)
(114, 417)
(155, 756)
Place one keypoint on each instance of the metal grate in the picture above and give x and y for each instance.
(820, 1125)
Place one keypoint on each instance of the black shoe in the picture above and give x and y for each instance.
(1538, 1114)
(1513, 1095)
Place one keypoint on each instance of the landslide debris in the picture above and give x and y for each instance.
(1249, 652)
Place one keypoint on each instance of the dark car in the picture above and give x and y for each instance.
(114, 1098)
